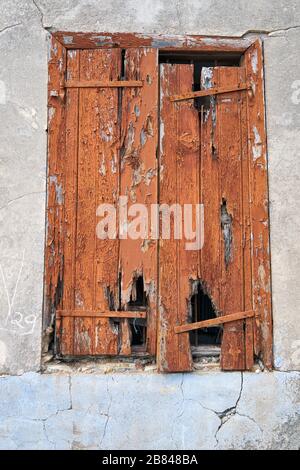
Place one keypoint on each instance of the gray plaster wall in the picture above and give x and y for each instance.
(150, 411)
(87, 411)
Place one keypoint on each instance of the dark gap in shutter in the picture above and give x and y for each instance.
(202, 308)
(138, 301)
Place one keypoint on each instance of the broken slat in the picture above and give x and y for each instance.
(210, 92)
(138, 180)
(106, 137)
(103, 84)
(209, 194)
(214, 321)
(99, 314)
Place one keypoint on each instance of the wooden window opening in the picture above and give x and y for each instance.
(162, 120)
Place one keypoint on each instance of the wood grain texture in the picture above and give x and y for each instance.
(230, 187)
(260, 250)
(210, 269)
(103, 83)
(100, 314)
(138, 181)
(102, 143)
(70, 202)
(106, 192)
(179, 184)
(75, 40)
(210, 92)
(55, 187)
(232, 317)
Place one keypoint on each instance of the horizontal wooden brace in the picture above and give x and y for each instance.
(210, 91)
(102, 84)
(214, 321)
(103, 314)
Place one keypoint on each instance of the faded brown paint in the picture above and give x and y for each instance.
(210, 92)
(103, 83)
(260, 251)
(55, 183)
(75, 40)
(233, 317)
(231, 190)
(138, 180)
(94, 157)
(95, 174)
(179, 183)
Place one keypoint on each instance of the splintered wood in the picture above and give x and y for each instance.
(110, 148)
(123, 126)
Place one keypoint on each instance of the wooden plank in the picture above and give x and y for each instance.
(246, 228)
(55, 188)
(167, 42)
(188, 192)
(179, 183)
(95, 336)
(96, 313)
(253, 63)
(210, 195)
(210, 92)
(138, 181)
(231, 190)
(70, 201)
(214, 321)
(85, 229)
(103, 83)
(107, 137)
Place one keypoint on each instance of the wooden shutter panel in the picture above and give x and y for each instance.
(259, 207)
(110, 136)
(179, 183)
(234, 262)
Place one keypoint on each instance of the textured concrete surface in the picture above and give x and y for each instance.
(23, 80)
(110, 411)
(141, 411)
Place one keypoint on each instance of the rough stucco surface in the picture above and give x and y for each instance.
(80, 411)
(141, 411)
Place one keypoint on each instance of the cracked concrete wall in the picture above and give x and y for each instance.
(266, 413)
(148, 411)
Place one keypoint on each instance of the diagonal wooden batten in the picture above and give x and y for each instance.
(210, 92)
(214, 321)
(102, 84)
(99, 314)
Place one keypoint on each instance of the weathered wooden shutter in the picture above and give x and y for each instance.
(103, 143)
(110, 149)
(228, 175)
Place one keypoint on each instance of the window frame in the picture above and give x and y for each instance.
(62, 41)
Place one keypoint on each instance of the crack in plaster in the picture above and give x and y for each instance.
(11, 201)
(267, 33)
(7, 28)
(107, 414)
(229, 412)
(225, 415)
(180, 414)
(40, 13)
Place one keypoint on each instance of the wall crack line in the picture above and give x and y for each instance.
(41, 14)
(7, 28)
(107, 414)
(11, 201)
(227, 414)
